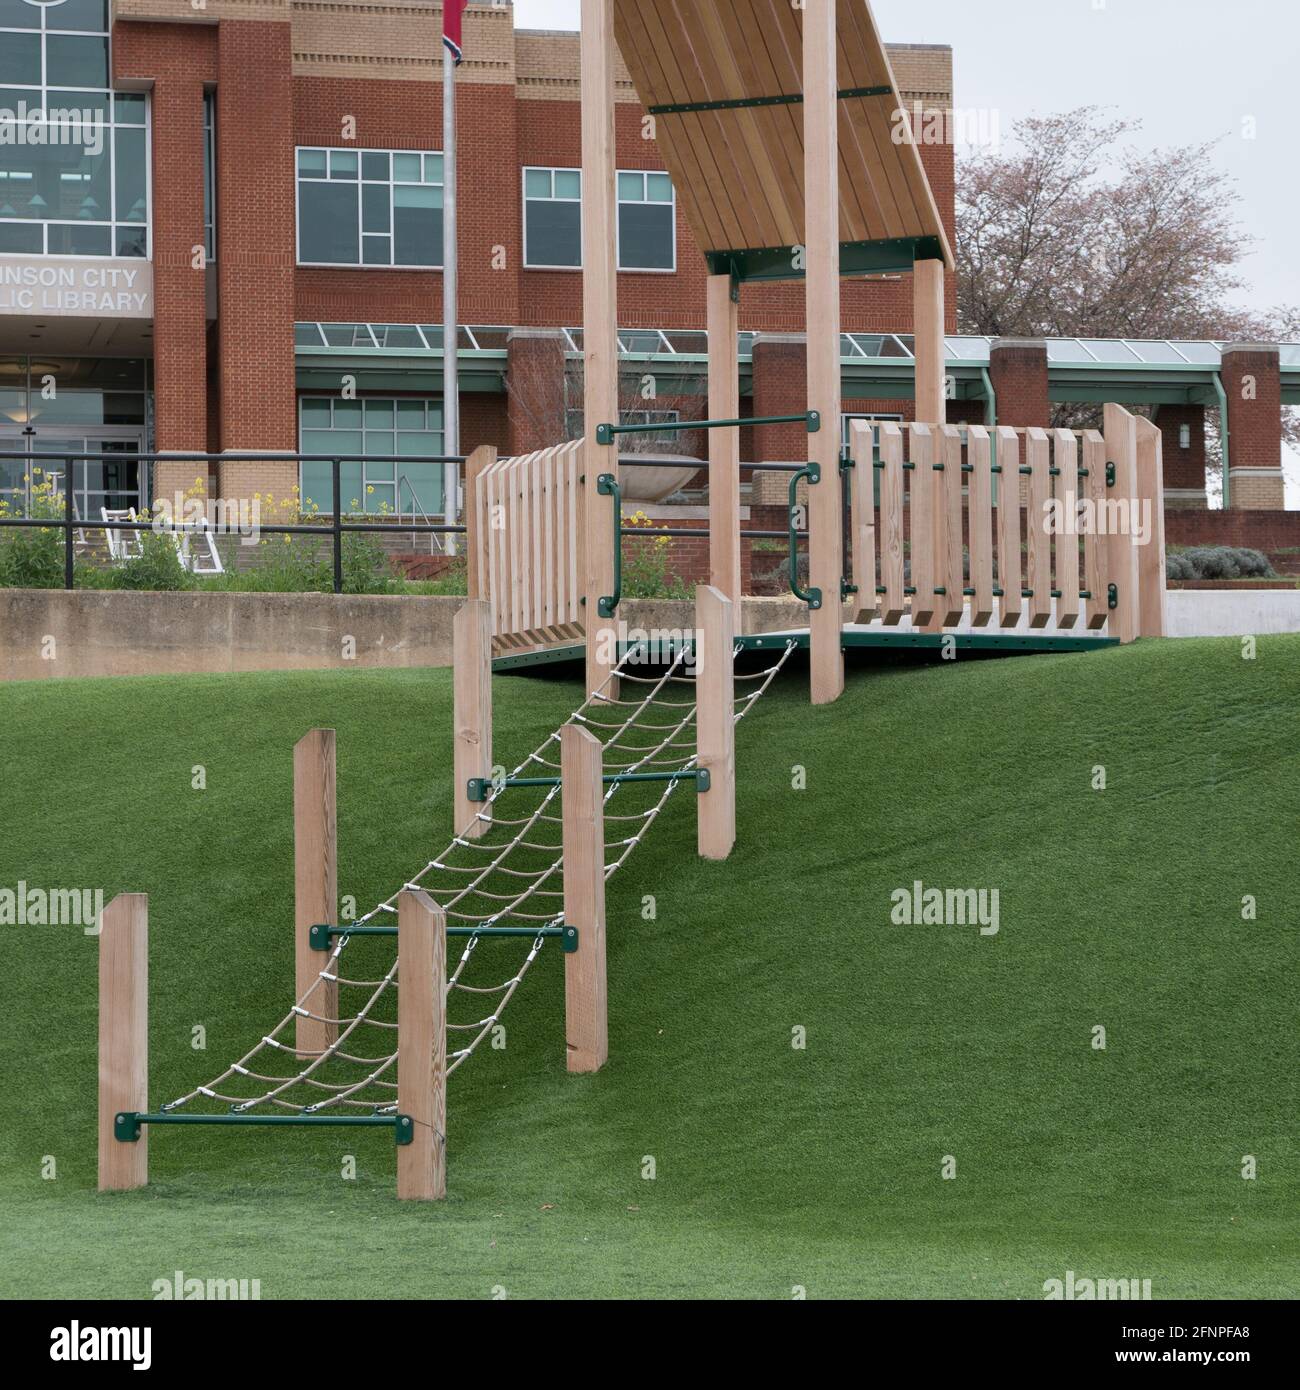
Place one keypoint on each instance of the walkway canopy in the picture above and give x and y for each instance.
(722, 79)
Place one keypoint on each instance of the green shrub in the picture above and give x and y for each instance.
(157, 567)
(31, 557)
(1217, 562)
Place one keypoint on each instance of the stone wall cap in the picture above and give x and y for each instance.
(790, 339)
(1038, 344)
(1266, 348)
(548, 334)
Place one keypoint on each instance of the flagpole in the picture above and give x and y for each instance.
(450, 334)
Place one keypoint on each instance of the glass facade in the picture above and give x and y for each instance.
(353, 430)
(74, 155)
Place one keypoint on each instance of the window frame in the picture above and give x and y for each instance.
(619, 201)
(551, 169)
(360, 183)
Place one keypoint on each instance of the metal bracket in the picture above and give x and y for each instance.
(404, 1129)
(1112, 596)
(126, 1126)
(814, 421)
(607, 486)
(476, 789)
(1111, 475)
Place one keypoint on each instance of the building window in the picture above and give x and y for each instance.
(647, 220)
(77, 181)
(210, 175)
(362, 433)
(553, 219)
(370, 208)
(650, 443)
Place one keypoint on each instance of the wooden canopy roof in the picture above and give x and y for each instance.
(723, 79)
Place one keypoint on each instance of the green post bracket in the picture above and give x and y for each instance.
(1111, 475)
(126, 1127)
(607, 486)
(404, 1130)
(813, 473)
(1112, 597)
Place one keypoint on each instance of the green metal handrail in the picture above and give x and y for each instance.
(812, 596)
(126, 1123)
(319, 937)
(607, 486)
(811, 419)
(478, 788)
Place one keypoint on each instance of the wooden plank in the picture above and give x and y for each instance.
(599, 326)
(1151, 556)
(715, 692)
(315, 883)
(1121, 552)
(1094, 563)
(477, 538)
(422, 1046)
(948, 537)
(1065, 457)
(1010, 570)
(893, 603)
(1038, 457)
(979, 507)
(921, 524)
(471, 714)
(724, 445)
(822, 295)
(862, 511)
(123, 1038)
(586, 1020)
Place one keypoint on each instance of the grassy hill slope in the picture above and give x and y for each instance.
(774, 1166)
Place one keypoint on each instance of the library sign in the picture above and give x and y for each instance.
(89, 288)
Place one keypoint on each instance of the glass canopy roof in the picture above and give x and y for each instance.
(673, 342)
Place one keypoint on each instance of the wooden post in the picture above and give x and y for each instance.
(422, 1045)
(715, 719)
(1151, 557)
(1121, 552)
(477, 520)
(862, 523)
(927, 330)
(822, 289)
(315, 882)
(586, 1023)
(472, 713)
(123, 1038)
(599, 327)
(724, 445)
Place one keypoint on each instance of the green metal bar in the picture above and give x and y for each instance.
(478, 788)
(811, 419)
(686, 108)
(892, 255)
(607, 486)
(319, 937)
(126, 1124)
(813, 596)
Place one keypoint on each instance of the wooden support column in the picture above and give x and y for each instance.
(123, 1038)
(472, 714)
(586, 1022)
(477, 520)
(599, 328)
(1151, 557)
(724, 445)
(715, 719)
(822, 287)
(1121, 551)
(315, 882)
(422, 1045)
(927, 329)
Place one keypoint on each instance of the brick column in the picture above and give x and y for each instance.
(256, 253)
(1018, 371)
(1252, 380)
(535, 388)
(780, 388)
(179, 60)
(1184, 466)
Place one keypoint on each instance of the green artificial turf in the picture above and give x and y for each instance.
(775, 1167)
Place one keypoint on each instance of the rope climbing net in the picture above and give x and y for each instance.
(512, 877)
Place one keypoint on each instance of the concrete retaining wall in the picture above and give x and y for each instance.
(48, 633)
(1233, 612)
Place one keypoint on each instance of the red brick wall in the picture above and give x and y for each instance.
(1184, 468)
(179, 59)
(1256, 436)
(1018, 372)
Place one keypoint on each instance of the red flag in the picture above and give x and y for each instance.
(452, 12)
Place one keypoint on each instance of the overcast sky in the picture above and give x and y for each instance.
(1190, 70)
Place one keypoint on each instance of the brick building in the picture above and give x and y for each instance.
(246, 258)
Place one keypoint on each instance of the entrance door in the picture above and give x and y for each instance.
(110, 477)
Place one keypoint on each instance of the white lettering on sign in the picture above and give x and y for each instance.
(84, 288)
